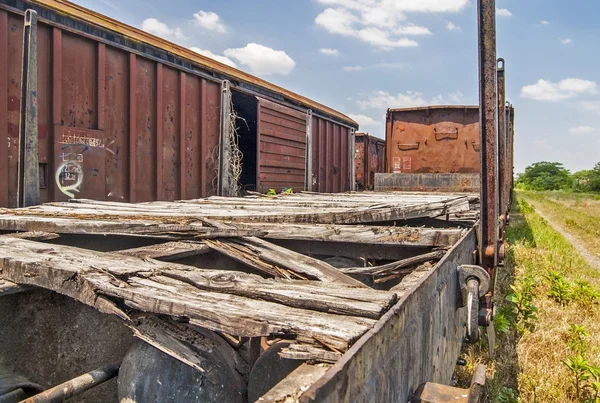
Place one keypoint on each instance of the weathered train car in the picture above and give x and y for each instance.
(369, 160)
(125, 116)
(436, 148)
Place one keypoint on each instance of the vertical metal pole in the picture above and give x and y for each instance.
(309, 151)
(224, 144)
(488, 104)
(502, 161)
(352, 157)
(28, 192)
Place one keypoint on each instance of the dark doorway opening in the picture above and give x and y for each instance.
(246, 110)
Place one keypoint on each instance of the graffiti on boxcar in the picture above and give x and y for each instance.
(76, 143)
(69, 175)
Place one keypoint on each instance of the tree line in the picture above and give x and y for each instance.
(546, 175)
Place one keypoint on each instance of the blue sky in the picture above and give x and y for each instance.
(363, 56)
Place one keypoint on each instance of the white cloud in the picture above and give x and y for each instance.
(354, 68)
(548, 91)
(208, 53)
(210, 21)
(329, 52)
(591, 106)
(503, 12)
(158, 28)
(383, 100)
(456, 97)
(582, 130)
(544, 22)
(378, 22)
(566, 41)
(452, 27)
(262, 60)
(382, 65)
(364, 120)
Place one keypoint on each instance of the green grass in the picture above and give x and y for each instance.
(551, 290)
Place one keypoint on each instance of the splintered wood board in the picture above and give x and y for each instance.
(350, 208)
(232, 302)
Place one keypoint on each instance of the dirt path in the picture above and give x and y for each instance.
(592, 259)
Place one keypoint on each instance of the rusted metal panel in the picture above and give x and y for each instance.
(435, 139)
(428, 182)
(417, 341)
(369, 160)
(153, 116)
(282, 147)
(111, 125)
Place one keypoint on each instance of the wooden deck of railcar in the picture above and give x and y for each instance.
(242, 267)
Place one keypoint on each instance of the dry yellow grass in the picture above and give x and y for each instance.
(530, 361)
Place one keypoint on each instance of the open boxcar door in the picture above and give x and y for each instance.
(281, 147)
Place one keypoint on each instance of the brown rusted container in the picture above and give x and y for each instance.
(433, 139)
(369, 160)
(126, 116)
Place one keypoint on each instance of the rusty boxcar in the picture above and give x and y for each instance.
(126, 116)
(435, 148)
(369, 159)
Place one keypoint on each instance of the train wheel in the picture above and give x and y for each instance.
(149, 375)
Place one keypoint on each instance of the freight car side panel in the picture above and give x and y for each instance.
(112, 125)
(438, 139)
(417, 341)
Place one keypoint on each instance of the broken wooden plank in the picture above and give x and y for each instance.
(137, 227)
(293, 385)
(410, 236)
(299, 294)
(310, 268)
(168, 251)
(309, 352)
(38, 236)
(94, 278)
(344, 211)
(396, 266)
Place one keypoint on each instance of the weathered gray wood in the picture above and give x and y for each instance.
(94, 278)
(314, 209)
(300, 294)
(167, 251)
(106, 225)
(292, 386)
(309, 352)
(307, 267)
(33, 235)
(355, 234)
(390, 268)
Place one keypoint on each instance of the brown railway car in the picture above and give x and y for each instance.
(125, 116)
(435, 148)
(369, 160)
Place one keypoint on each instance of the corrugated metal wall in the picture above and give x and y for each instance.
(120, 120)
(331, 156)
(112, 125)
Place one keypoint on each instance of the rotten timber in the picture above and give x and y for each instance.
(147, 285)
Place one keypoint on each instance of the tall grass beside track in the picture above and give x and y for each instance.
(547, 322)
